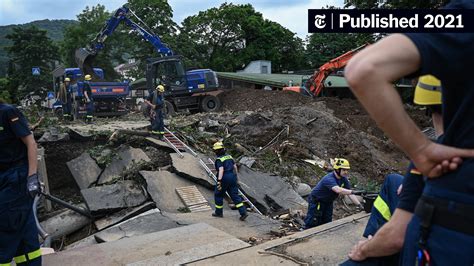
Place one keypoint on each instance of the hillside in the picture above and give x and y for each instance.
(55, 29)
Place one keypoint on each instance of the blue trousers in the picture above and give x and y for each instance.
(90, 109)
(67, 108)
(229, 185)
(318, 213)
(157, 124)
(18, 232)
(445, 246)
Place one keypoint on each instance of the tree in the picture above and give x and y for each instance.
(322, 47)
(91, 21)
(157, 17)
(30, 48)
(230, 36)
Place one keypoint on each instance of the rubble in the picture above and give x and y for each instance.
(53, 135)
(148, 222)
(161, 185)
(122, 215)
(85, 170)
(189, 168)
(269, 192)
(125, 159)
(123, 194)
(303, 189)
(65, 223)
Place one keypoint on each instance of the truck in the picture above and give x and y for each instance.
(109, 97)
(184, 90)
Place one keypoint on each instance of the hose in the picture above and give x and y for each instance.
(42, 232)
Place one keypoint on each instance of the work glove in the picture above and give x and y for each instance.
(219, 185)
(358, 192)
(33, 185)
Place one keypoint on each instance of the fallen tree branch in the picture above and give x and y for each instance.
(283, 256)
(286, 129)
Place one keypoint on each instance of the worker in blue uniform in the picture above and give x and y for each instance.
(156, 101)
(87, 91)
(441, 231)
(226, 182)
(321, 199)
(19, 184)
(387, 243)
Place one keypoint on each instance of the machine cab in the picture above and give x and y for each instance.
(168, 71)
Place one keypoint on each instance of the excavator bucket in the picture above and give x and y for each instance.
(84, 60)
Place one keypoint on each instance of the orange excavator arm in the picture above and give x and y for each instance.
(316, 83)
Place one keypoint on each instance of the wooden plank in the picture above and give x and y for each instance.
(193, 199)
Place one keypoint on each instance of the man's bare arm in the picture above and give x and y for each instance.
(387, 241)
(370, 75)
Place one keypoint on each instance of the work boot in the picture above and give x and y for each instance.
(217, 215)
(243, 217)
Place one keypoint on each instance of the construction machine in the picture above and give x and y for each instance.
(315, 83)
(184, 90)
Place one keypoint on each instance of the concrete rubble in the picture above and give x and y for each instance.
(123, 194)
(161, 185)
(53, 135)
(125, 159)
(147, 222)
(269, 192)
(189, 168)
(122, 215)
(85, 170)
(175, 246)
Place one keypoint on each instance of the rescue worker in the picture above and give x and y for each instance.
(156, 102)
(89, 100)
(321, 199)
(64, 95)
(386, 244)
(441, 231)
(19, 184)
(226, 182)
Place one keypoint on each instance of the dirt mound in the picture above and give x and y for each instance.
(253, 100)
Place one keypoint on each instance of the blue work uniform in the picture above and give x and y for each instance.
(157, 124)
(18, 232)
(441, 228)
(384, 206)
(320, 201)
(64, 96)
(228, 184)
(90, 105)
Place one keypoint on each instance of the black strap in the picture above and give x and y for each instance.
(449, 214)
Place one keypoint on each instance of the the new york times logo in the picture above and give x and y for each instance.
(385, 20)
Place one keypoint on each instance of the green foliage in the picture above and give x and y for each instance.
(230, 36)
(158, 16)
(91, 21)
(54, 30)
(323, 47)
(31, 47)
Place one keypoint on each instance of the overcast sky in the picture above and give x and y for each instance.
(292, 14)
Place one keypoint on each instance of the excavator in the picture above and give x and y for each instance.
(184, 90)
(315, 83)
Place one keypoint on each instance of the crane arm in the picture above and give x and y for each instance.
(316, 83)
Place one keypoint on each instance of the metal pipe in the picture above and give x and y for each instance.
(67, 205)
(42, 232)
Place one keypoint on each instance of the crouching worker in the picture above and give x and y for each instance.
(18, 186)
(322, 197)
(226, 182)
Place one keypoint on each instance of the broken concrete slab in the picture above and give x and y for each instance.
(125, 159)
(269, 192)
(247, 161)
(303, 189)
(145, 223)
(53, 135)
(65, 223)
(161, 186)
(80, 135)
(254, 226)
(122, 215)
(85, 242)
(158, 144)
(189, 168)
(84, 169)
(149, 246)
(120, 195)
